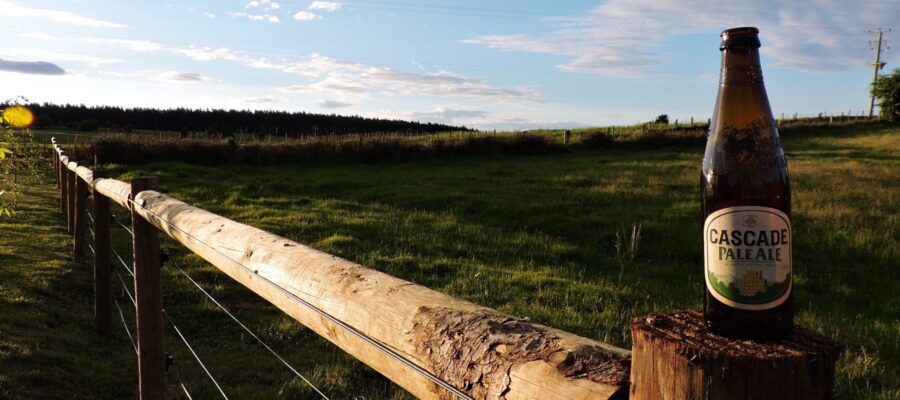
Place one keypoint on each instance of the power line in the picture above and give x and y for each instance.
(877, 65)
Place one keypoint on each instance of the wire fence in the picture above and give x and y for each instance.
(121, 263)
(126, 292)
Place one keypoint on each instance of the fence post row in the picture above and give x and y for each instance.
(102, 265)
(78, 244)
(148, 295)
(70, 196)
(664, 362)
(62, 185)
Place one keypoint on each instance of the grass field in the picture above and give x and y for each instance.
(547, 237)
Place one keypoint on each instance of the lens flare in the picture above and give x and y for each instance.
(18, 116)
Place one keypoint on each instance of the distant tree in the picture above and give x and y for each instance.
(88, 125)
(887, 92)
(217, 122)
(662, 119)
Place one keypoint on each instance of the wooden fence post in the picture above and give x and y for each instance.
(148, 294)
(79, 232)
(567, 137)
(102, 265)
(54, 157)
(674, 356)
(71, 177)
(63, 196)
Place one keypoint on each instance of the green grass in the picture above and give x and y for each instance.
(541, 236)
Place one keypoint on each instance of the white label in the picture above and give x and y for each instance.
(747, 257)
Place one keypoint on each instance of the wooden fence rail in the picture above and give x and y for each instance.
(433, 345)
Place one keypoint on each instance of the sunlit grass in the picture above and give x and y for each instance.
(531, 236)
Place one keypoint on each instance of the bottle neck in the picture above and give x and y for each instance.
(741, 66)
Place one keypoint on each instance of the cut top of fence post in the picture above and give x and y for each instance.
(676, 357)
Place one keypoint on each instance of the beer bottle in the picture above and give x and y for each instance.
(746, 203)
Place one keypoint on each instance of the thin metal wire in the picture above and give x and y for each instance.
(125, 324)
(183, 339)
(261, 342)
(181, 382)
(124, 226)
(125, 287)
(196, 357)
(372, 342)
(124, 264)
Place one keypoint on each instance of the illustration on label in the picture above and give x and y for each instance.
(747, 257)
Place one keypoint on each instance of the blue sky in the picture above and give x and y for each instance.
(491, 65)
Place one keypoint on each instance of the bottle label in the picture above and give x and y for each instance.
(747, 252)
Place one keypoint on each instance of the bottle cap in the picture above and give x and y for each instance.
(747, 36)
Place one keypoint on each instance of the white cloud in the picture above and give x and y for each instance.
(333, 104)
(306, 16)
(209, 15)
(354, 80)
(330, 6)
(209, 53)
(187, 77)
(10, 9)
(314, 66)
(255, 17)
(269, 99)
(631, 36)
(31, 67)
(135, 45)
(264, 4)
(61, 55)
(440, 113)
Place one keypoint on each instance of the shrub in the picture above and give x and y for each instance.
(137, 150)
(88, 125)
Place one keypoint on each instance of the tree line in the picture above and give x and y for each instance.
(220, 122)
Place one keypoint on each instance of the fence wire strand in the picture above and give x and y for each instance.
(193, 353)
(125, 227)
(177, 374)
(125, 325)
(122, 261)
(372, 342)
(250, 332)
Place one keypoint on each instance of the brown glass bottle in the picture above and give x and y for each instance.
(746, 203)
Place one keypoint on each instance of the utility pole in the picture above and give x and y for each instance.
(877, 64)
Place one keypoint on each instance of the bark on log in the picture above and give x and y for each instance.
(674, 356)
(482, 352)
